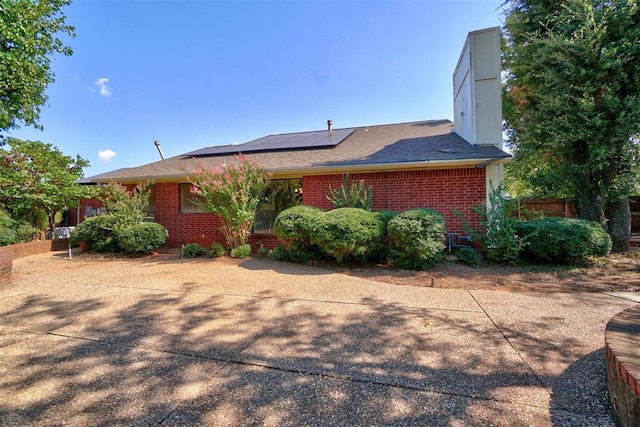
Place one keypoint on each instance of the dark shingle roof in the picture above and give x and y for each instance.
(420, 144)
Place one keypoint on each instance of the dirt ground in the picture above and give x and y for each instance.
(614, 273)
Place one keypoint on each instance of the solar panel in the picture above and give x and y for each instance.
(287, 141)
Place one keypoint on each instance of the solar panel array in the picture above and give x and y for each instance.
(287, 141)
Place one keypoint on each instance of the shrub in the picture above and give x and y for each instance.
(263, 252)
(381, 253)
(293, 227)
(98, 232)
(498, 228)
(25, 232)
(128, 206)
(142, 237)
(347, 232)
(217, 250)
(354, 195)
(280, 253)
(241, 251)
(469, 256)
(416, 238)
(193, 250)
(563, 240)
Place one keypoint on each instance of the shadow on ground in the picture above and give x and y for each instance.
(185, 359)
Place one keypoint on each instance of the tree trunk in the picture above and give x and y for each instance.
(51, 217)
(589, 195)
(591, 209)
(619, 224)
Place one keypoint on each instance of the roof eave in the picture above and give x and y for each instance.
(297, 172)
(387, 167)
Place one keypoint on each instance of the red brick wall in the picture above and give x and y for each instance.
(201, 228)
(73, 213)
(440, 190)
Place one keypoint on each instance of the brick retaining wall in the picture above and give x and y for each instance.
(41, 246)
(8, 253)
(622, 343)
(6, 263)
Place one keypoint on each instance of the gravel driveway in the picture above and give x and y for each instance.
(160, 341)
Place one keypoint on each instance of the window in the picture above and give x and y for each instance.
(150, 212)
(281, 194)
(188, 201)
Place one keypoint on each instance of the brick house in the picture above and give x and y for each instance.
(433, 163)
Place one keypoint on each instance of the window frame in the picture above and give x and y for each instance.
(188, 200)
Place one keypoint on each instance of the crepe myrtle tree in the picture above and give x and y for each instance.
(233, 191)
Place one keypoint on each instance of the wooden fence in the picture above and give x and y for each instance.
(549, 207)
(562, 208)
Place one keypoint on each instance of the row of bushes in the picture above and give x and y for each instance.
(105, 234)
(194, 250)
(412, 239)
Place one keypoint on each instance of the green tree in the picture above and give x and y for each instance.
(572, 103)
(233, 192)
(35, 175)
(29, 32)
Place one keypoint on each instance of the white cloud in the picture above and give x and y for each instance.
(101, 83)
(106, 155)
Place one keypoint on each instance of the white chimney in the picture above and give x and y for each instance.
(477, 92)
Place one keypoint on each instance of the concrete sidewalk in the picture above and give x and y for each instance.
(254, 342)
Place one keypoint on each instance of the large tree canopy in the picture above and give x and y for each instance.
(572, 103)
(29, 32)
(35, 175)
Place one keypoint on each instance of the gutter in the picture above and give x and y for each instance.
(297, 172)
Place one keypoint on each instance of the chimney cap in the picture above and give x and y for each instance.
(329, 125)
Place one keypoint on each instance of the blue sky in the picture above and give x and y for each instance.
(200, 73)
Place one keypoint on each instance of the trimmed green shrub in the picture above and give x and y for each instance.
(563, 240)
(142, 237)
(242, 251)
(416, 238)
(292, 227)
(469, 256)
(280, 253)
(98, 232)
(385, 216)
(193, 250)
(381, 253)
(217, 250)
(347, 233)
